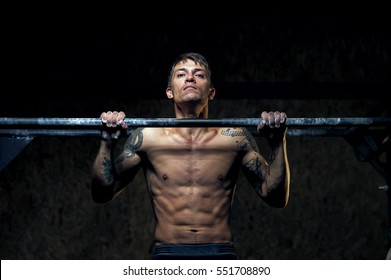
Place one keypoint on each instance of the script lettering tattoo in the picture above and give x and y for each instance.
(107, 169)
(254, 166)
(232, 133)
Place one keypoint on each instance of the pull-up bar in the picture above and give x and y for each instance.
(23, 127)
(221, 122)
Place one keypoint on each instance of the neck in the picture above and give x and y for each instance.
(191, 112)
(187, 112)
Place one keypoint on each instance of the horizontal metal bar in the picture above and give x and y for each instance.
(175, 122)
(49, 132)
(322, 132)
(91, 132)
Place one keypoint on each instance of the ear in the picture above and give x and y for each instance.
(212, 92)
(169, 93)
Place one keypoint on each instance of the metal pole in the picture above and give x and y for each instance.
(325, 132)
(22, 127)
(173, 122)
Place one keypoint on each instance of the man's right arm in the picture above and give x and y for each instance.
(109, 176)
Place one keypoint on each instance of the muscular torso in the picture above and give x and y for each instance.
(191, 175)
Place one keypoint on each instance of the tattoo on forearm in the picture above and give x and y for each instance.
(107, 169)
(254, 166)
(273, 156)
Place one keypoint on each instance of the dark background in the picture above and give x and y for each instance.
(323, 63)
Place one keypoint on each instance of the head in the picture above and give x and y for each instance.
(197, 58)
(190, 86)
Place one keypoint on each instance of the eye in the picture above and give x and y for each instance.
(200, 75)
(179, 75)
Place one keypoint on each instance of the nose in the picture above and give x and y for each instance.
(190, 77)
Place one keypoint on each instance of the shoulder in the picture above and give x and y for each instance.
(144, 136)
(144, 132)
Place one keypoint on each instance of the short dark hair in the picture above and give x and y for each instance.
(197, 58)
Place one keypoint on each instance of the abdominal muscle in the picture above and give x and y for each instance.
(191, 207)
(188, 214)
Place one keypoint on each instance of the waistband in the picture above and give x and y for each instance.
(208, 251)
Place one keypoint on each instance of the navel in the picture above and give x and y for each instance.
(165, 177)
(221, 178)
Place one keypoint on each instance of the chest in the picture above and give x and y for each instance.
(195, 156)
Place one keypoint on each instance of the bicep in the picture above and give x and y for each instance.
(254, 167)
(252, 160)
(253, 164)
(128, 161)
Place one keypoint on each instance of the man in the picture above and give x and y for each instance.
(191, 172)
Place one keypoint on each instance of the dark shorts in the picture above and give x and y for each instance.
(204, 251)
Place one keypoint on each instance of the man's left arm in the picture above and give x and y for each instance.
(270, 179)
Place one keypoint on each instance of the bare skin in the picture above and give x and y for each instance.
(191, 173)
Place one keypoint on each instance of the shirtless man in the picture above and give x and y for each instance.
(191, 172)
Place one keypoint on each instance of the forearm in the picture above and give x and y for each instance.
(102, 182)
(276, 181)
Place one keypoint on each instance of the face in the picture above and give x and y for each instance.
(190, 82)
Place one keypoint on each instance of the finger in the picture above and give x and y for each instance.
(121, 119)
(114, 119)
(265, 117)
(277, 119)
(283, 117)
(263, 120)
(124, 124)
(121, 115)
(271, 119)
(103, 117)
(109, 116)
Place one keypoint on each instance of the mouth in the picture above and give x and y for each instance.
(189, 87)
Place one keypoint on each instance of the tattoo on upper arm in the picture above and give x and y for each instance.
(251, 140)
(134, 142)
(254, 165)
(246, 141)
